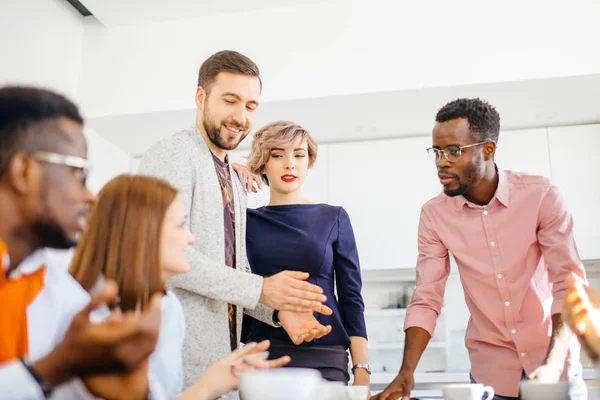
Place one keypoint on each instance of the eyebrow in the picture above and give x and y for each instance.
(454, 144)
(231, 94)
(297, 149)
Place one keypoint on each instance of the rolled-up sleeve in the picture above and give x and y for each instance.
(433, 268)
(555, 236)
(348, 278)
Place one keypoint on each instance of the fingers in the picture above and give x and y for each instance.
(107, 294)
(248, 349)
(298, 309)
(241, 352)
(392, 393)
(297, 275)
(323, 331)
(310, 335)
(297, 298)
(280, 362)
(297, 339)
(325, 310)
(258, 361)
(307, 291)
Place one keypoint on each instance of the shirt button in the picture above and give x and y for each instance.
(499, 276)
(522, 354)
(507, 303)
(492, 244)
(513, 331)
(485, 212)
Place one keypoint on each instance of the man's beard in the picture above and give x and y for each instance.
(50, 234)
(46, 230)
(468, 181)
(213, 131)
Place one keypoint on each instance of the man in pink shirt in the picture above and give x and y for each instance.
(512, 237)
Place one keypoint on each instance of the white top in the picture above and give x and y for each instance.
(49, 317)
(166, 362)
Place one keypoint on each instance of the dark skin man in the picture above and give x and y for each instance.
(44, 202)
(466, 168)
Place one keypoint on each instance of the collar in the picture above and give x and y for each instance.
(502, 193)
(30, 264)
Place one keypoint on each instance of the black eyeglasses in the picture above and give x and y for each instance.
(452, 153)
(69, 161)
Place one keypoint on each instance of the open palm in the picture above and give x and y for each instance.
(303, 326)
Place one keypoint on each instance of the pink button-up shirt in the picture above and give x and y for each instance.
(514, 257)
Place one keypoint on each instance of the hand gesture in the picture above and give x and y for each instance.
(223, 376)
(287, 291)
(303, 326)
(127, 386)
(399, 388)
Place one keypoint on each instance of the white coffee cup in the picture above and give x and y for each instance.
(467, 391)
(534, 390)
(281, 383)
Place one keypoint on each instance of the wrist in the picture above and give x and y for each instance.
(262, 298)
(364, 367)
(361, 373)
(406, 369)
(54, 369)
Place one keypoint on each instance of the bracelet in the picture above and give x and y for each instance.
(366, 367)
(46, 389)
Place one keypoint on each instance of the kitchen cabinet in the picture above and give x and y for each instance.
(524, 151)
(576, 171)
(383, 184)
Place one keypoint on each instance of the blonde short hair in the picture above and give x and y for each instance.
(273, 135)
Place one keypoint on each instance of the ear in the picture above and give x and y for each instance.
(21, 172)
(489, 149)
(200, 97)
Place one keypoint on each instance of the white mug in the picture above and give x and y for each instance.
(467, 391)
(281, 383)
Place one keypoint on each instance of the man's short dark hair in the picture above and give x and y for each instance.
(24, 108)
(226, 61)
(484, 120)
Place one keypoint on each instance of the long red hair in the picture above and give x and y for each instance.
(123, 239)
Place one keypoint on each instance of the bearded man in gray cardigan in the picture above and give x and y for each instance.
(220, 287)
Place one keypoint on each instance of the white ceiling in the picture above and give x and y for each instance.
(524, 104)
(113, 13)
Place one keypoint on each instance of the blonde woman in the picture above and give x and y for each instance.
(293, 233)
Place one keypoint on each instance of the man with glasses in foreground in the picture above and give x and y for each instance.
(47, 343)
(512, 238)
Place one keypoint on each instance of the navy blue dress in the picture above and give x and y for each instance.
(318, 239)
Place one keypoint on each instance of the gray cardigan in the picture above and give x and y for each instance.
(185, 161)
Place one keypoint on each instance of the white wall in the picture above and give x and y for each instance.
(107, 160)
(41, 43)
(342, 47)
